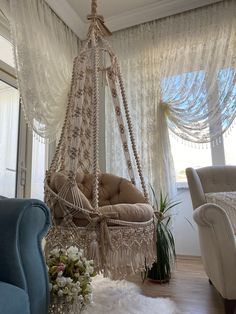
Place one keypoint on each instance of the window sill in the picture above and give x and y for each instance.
(182, 186)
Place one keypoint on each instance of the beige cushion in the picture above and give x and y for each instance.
(58, 179)
(129, 212)
(112, 189)
(118, 198)
(227, 201)
(210, 180)
(218, 178)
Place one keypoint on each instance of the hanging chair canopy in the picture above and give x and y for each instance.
(107, 216)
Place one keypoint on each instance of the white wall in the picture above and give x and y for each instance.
(186, 236)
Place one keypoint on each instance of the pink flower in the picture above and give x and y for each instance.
(61, 267)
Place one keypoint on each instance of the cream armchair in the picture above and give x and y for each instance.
(215, 225)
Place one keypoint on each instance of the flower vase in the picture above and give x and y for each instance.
(59, 305)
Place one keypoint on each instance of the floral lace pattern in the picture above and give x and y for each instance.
(44, 51)
(180, 74)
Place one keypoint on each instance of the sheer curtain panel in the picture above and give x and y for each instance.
(180, 75)
(44, 52)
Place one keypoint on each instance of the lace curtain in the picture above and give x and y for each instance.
(44, 51)
(180, 74)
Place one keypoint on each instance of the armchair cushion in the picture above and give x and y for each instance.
(217, 178)
(227, 201)
(13, 300)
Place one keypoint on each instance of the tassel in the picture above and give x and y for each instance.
(94, 249)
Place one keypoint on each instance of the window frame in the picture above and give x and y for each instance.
(24, 145)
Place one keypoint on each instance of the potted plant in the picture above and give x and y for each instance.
(165, 244)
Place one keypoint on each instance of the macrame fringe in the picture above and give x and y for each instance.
(131, 246)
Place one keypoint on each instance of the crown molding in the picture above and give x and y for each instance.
(154, 11)
(160, 9)
(63, 9)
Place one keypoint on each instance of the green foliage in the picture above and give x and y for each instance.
(165, 245)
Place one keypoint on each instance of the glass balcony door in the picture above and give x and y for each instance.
(9, 126)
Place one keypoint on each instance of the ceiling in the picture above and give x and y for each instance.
(120, 14)
(109, 8)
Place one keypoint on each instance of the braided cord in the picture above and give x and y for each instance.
(94, 7)
(95, 104)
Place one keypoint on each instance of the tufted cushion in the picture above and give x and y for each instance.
(58, 179)
(139, 212)
(112, 189)
(218, 179)
(210, 180)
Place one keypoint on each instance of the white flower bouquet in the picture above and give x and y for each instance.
(70, 277)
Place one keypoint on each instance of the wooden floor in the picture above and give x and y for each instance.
(189, 289)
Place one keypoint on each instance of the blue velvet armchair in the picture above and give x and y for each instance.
(23, 272)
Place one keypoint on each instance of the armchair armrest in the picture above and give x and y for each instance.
(218, 247)
(23, 223)
(195, 188)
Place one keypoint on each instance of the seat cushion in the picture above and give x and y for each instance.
(13, 300)
(139, 212)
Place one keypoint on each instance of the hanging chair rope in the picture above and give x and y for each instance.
(97, 21)
(95, 121)
(94, 8)
(117, 246)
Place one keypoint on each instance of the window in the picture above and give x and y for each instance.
(22, 158)
(230, 147)
(9, 125)
(38, 169)
(6, 52)
(229, 139)
(186, 155)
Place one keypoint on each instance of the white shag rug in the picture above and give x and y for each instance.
(123, 297)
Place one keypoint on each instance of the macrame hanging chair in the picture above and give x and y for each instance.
(105, 215)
